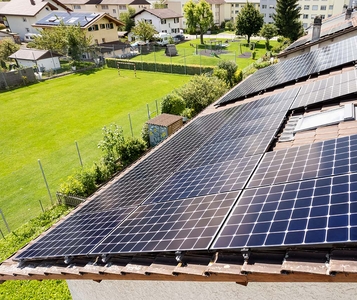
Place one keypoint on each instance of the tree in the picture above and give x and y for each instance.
(66, 40)
(249, 21)
(7, 47)
(198, 17)
(172, 104)
(144, 30)
(160, 4)
(287, 19)
(268, 31)
(226, 70)
(125, 17)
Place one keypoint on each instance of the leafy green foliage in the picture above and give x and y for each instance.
(82, 183)
(230, 67)
(143, 30)
(172, 104)
(125, 18)
(112, 138)
(201, 91)
(249, 21)
(31, 289)
(229, 26)
(268, 31)
(66, 40)
(145, 135)
(130, 150)
(199, 17)
(287, 19)
(7, 47)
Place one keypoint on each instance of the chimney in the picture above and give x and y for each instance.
(316, 28)
(348, 13)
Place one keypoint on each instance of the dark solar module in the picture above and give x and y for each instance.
(323, 159)
(73, 18)
(295, 68)
(169, 226)
(326, 89)
(77, 235)
(320, 211)
(206, 180)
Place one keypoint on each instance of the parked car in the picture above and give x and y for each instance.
(179, 38)
(30, 37)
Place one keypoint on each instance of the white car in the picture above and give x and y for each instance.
(30, 37)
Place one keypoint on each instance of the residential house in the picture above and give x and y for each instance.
(163, 19)
(260, 189)
(322, 33)
(233, 7)
(21, 14)
(100, 27)
(43, 60)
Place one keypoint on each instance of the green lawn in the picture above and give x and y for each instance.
(187, 55)
(43, 121)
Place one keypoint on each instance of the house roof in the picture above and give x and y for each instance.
(221, 200)
(161, 13)
(31, 54)
(332, 27)
(216, 1)
(85, 19)
(139, 2)
(29, 7)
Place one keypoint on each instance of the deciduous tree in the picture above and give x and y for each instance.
(287, 19)
(249, 21)
(268, 31)
(143, 30)
(7, 47)
(125, 17)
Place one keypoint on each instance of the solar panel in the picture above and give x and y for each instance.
(169, 226)
(320, 211)
(74, 18)
(328, 158)
(77, 235)
(287, 71)
(326, 89)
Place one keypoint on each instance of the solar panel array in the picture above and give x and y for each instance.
(298, 67)
(330, 88)
(73, 18)
(304, 195)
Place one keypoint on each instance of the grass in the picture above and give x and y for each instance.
(32, 289)
(186, 54)
(43, 121)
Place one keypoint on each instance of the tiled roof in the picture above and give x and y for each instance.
(162, 13)
(28, 7)
(164, 120)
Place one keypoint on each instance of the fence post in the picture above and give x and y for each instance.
(44, 178)
(41, 205)
(147, 106)
(79, 154)
(6, 224)
(155, 60)
(131, 126)
(3, 236)
(157, 108)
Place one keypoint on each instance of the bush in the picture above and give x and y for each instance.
(230, 67)
(187, 113)
(130, 150)
(82, 183)
(172, 104)
(261, 65)
(229, 26)
(238, 76)
(145, 135)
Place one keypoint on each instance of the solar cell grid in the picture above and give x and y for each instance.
(169, 226)
(77, 235)
(316, 211)
(332, 157)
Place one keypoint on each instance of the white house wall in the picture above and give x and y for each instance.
(156, 22)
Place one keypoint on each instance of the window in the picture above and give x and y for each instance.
(24, 19)
(236, 12)
(329, 117)
(313, 16)
(94, 27)
(264, 6)
(330, 7)
(322, 17)
(270, 15)
(27, 29)
(323, 7)
(271, 6)
(148, 21)
(109, 26)
(176, 20)
(306, 6)
(122, 7)
(76, 7)
(237, 5)
(315, 7)
(104, 6)
(305, 16)
(102, 26)
(114, 11)
(103, 40)
(163, 21)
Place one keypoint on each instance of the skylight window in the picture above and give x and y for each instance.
(330, 117)
(72, 20)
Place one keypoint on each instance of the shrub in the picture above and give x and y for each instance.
(229, 26)
(188, 113)
(261, 65)
(145, 135)
(238, 76)
(130, 150)
(82, 183)
(230, 67)
(172, 104)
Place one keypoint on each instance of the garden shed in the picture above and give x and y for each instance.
(43, 59)
(163, 126)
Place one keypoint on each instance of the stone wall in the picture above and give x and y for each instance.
(17, 78)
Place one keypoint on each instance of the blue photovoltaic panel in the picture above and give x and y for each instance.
(287, 71)
(326, 89)
(328, 158)
(77, 235)
(169, 226)
(73, 18)
(316, 211)
(206, 180)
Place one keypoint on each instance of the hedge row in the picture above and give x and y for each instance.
(158, 67)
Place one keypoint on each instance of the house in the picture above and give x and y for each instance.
(322, 33)
(163, 19)
(21, 14)
(43, 60)
(101, 28)
(260, 189)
